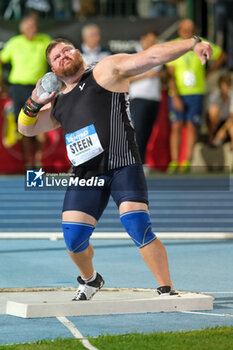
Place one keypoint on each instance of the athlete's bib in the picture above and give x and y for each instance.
(83, 145)
(189, 78)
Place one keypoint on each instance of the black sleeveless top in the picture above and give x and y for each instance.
(88, 104)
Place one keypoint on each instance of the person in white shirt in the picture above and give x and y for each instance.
(145, 96)
(91, 49)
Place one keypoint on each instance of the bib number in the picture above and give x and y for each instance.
(83, 145)
(189, 78)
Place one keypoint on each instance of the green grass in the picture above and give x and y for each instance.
(64, 344)
(209, 339)
(219, 338)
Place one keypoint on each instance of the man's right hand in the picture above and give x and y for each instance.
(44, 98)
(178, 103)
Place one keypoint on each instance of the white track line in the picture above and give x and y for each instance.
(205, 313)
(76, 333)
(121, 235)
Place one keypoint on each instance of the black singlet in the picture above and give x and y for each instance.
(90, 104)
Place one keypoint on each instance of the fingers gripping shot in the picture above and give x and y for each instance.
(93, 109)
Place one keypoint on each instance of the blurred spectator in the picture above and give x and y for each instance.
(1, 78)
(161, 8)
(87, 8)
(26, 54)
(61, 9)
(120, 7)
(223, 27)
(187, 89)
(75, 6)
(143, 8)
(145, 96)
(91, 49)
(220, 112)
(37, 7)
(222, 12)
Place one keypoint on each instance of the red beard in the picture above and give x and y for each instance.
(69, 67)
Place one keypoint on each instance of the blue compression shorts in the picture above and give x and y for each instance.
(123, 184)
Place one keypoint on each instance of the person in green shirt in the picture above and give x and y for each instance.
(187, 89)
(26, 54)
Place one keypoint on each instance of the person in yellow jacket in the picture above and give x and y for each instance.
(26, 54)
(187, 89)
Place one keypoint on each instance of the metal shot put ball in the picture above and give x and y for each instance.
(49, 83)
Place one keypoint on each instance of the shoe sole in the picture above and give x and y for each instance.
(167, 294)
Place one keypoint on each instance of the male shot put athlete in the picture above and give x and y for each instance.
(94, 105)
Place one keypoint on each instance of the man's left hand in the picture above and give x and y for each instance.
(204, 51)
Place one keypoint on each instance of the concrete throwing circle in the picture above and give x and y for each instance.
(55, 302)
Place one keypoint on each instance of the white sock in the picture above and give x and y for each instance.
(90, 279)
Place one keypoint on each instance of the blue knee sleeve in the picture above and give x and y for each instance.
(76, 235)
(138, 225)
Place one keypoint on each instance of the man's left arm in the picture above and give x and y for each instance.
(114, 68)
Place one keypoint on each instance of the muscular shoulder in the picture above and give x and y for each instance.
(111, 63)
(107, 73)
